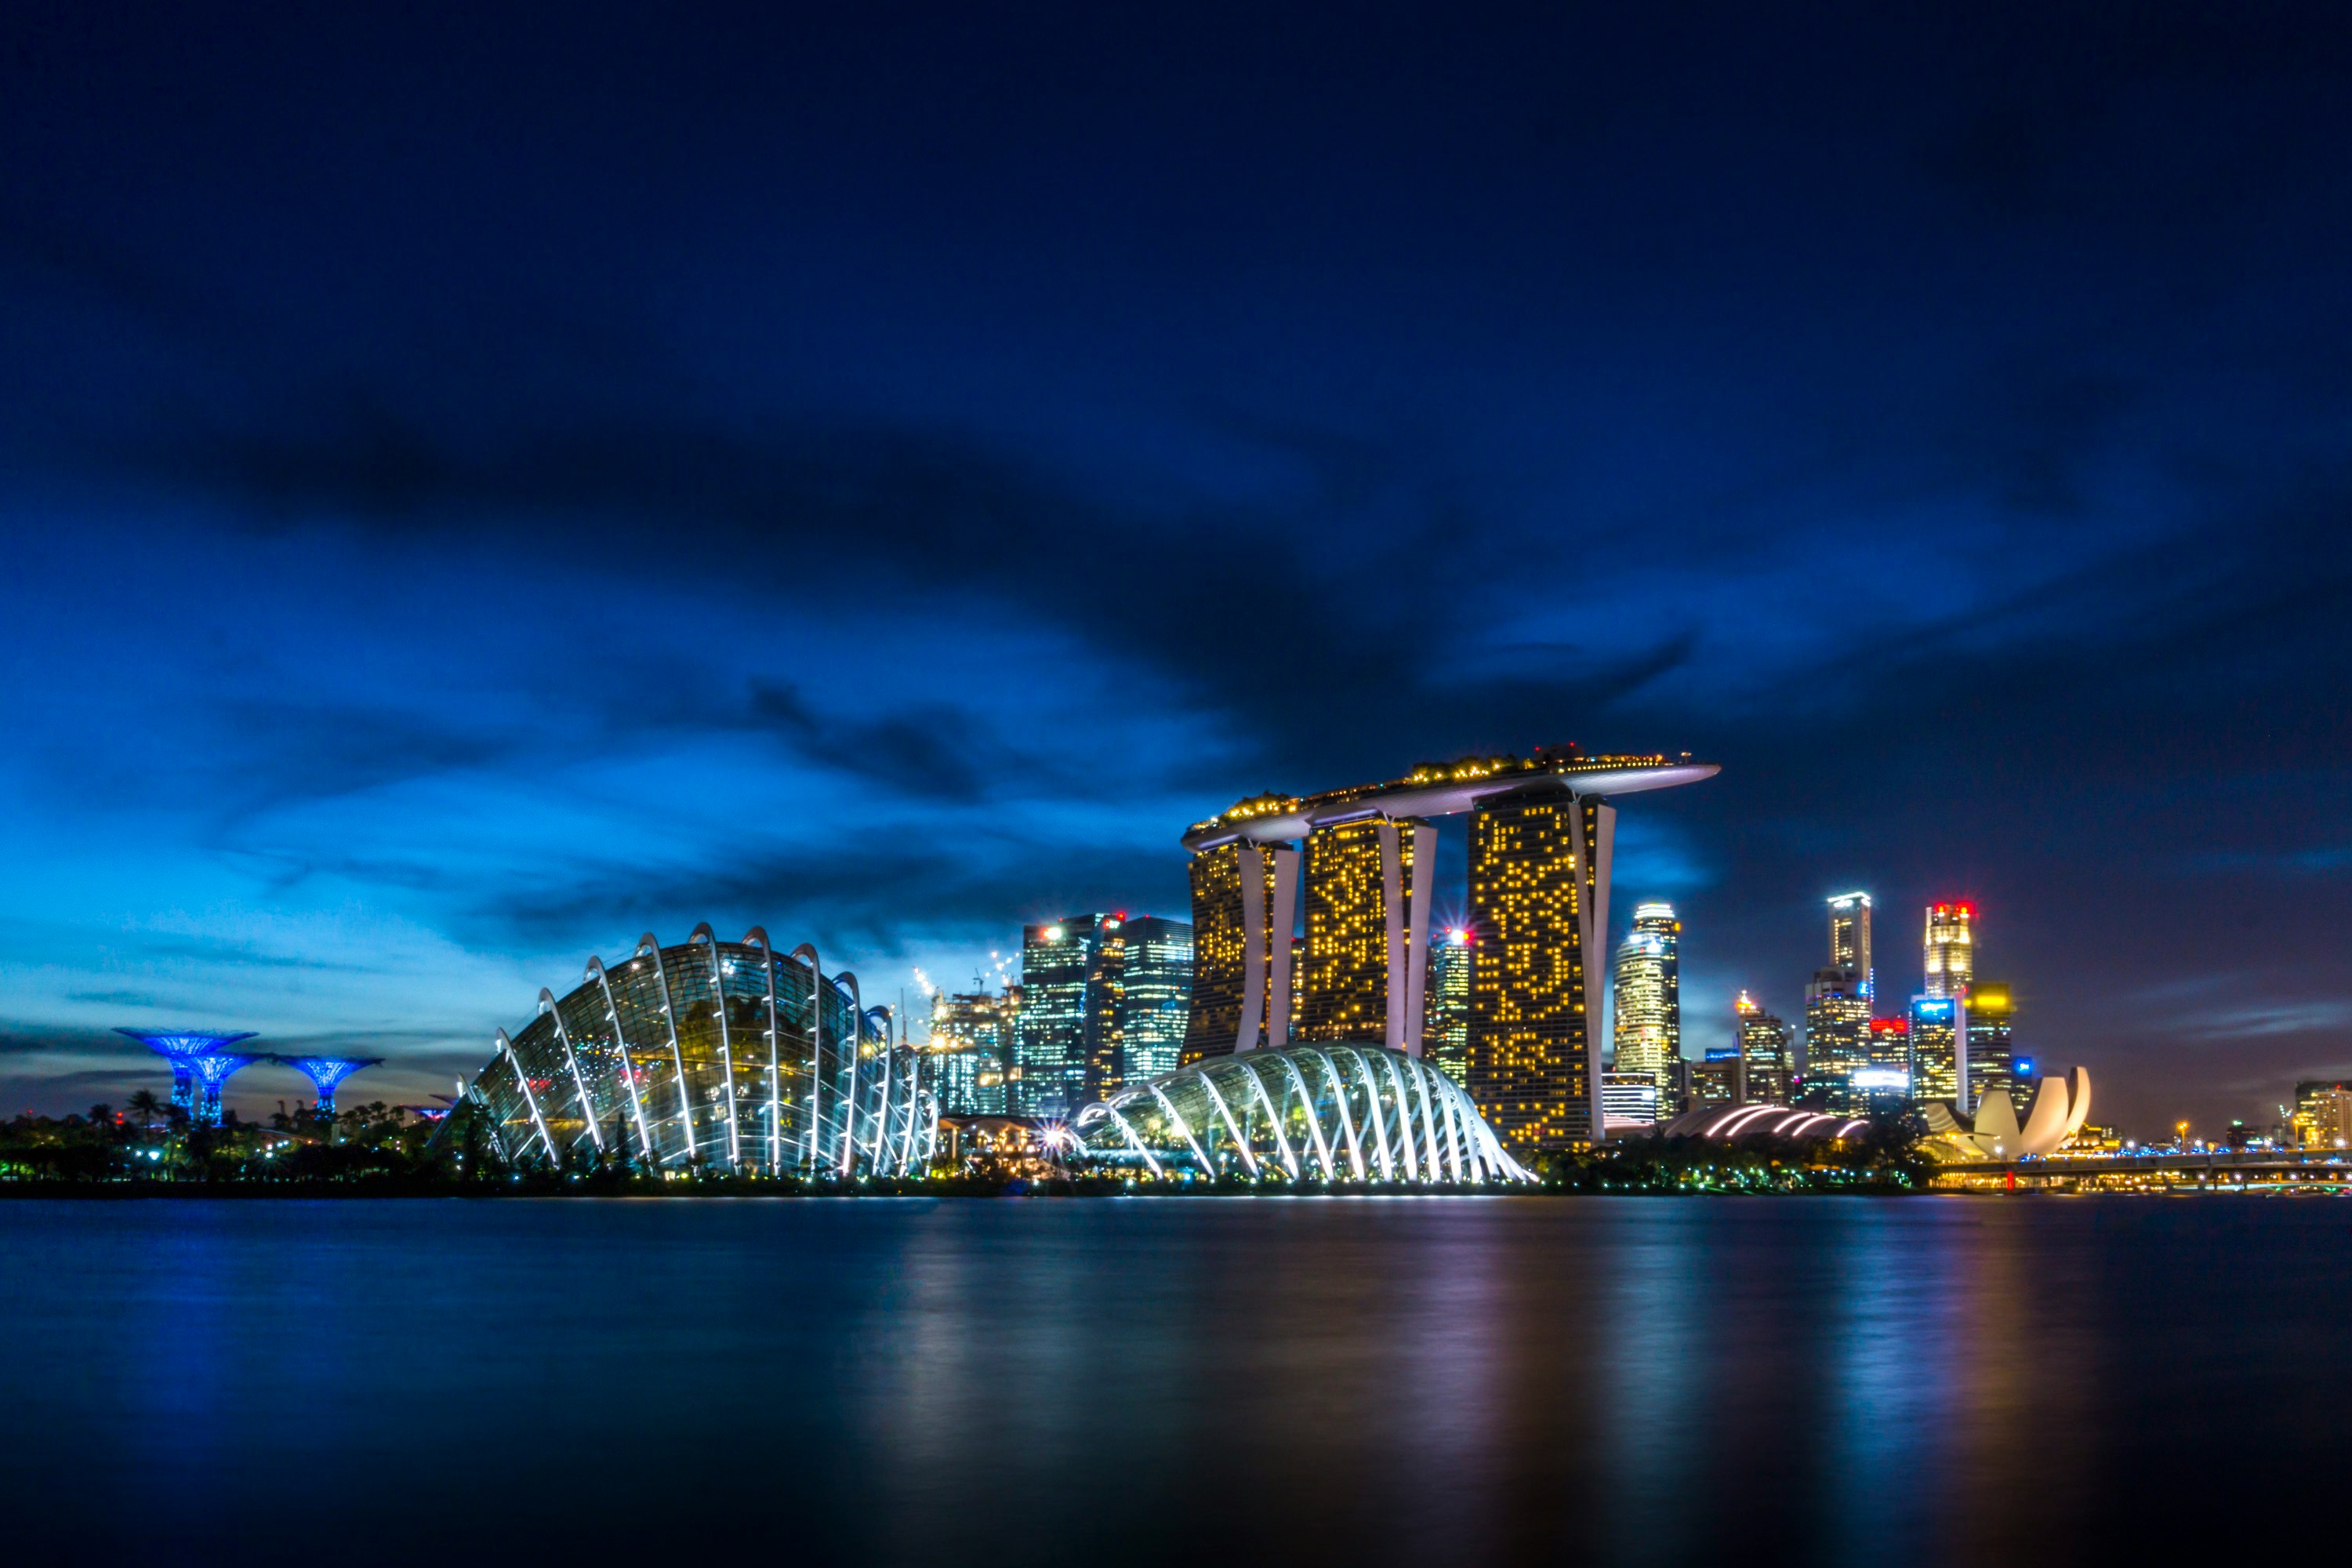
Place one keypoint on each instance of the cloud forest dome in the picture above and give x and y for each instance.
(711, 1055)
(1338, 1112)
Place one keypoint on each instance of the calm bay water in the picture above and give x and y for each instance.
(1428, 1380)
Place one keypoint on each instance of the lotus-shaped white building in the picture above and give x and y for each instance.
(2059, 1110)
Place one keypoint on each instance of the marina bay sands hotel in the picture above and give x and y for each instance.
(1542, 829)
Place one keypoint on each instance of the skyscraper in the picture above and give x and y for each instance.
(1764, 1053)
(972, 1040)
(1938, 1036)
(1539, 893)
(1951, 948)
(1155, 995)
(1068, 1030)
(1992, 1052)
(1646, 1011)
(1850, 938)
(1446, 1039)
(1837, 1037)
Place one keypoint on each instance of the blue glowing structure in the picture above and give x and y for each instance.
(181, 1047)
(326, 1072)
(213, 1069)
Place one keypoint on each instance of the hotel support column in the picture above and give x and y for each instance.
(1281, 920)
(1254, 948)
(1407, 911)
(1592, 921)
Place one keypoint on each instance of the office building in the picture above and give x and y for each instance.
(1646, 1006)
(1764, 1052)
(1950, 949)
(1938, 1036)
(1837, 1037)
(971, 1048)
(1065, 1043)
(1991, 1051)
(1850, 938)
(1446, 1037)
(2322, 1115)
(1155, 997)
(1719, 1080)
(1630, 1099)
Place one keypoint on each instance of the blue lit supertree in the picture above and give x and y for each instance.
(213, 1069)
(181, 1047)
(326, 1072)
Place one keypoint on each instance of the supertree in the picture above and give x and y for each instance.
(326, 1072)
(213, 1069)
(181, 1047)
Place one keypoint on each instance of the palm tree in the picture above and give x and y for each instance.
(145, 1105)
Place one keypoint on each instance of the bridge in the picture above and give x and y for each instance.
(2154, 1168)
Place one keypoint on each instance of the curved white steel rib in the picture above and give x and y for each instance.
(704, 935)
(1372, 1102)
(1347, 1122)
(757, 937)
(628, 1063)
(579, 1084)
(514, 1065)
(1233, 1130)
(646, 944)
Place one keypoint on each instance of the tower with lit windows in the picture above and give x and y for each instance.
(1067, 1034)
(1764, 1052)
(1992, 1052)
(1950, 949)
(1446, 1036)
(1542, 829)
(1850, 938)
(1155, 994)
(971, 1046)
(1647, 1009)
(1938, 1038)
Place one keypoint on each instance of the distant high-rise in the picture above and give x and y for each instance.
(1837, 1037)
(1720, 1079)
(2323, 1114)
(1155, 995)
(1629, 1100)
(1446, 1037)
(1646, 1011)
(1069, 1032)
(1938, 1038)
(1360, 881)
(971, 1042)
(1992, 1065)
(1849, 938)
(1951, 948)
(1764, 1042)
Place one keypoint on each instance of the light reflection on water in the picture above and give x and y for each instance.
(1425, 1380)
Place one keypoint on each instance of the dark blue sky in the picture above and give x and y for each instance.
(479, 484)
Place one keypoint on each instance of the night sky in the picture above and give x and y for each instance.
(479, 484)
